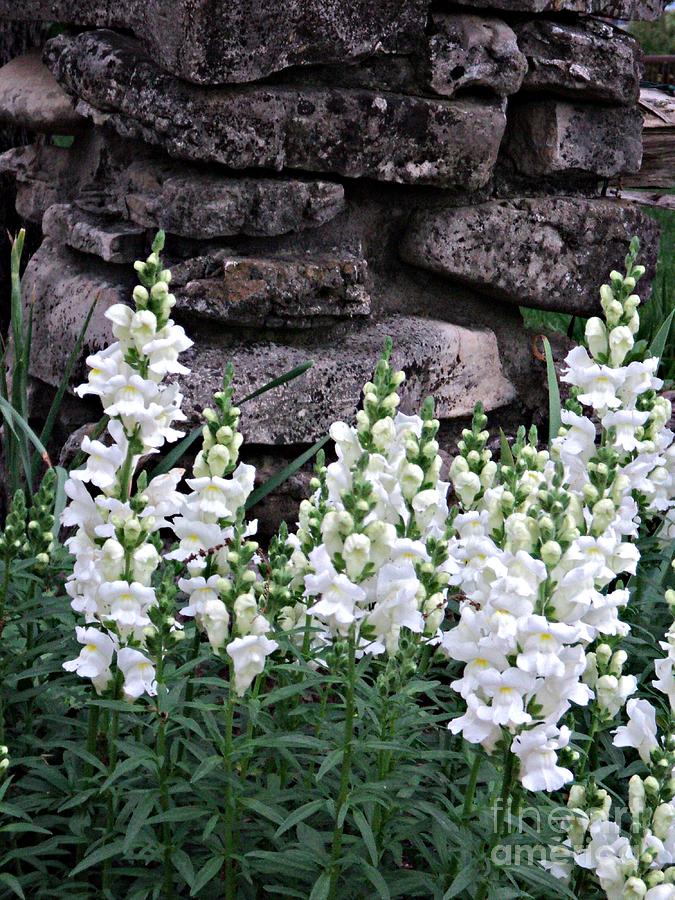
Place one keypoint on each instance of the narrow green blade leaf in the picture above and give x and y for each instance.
(272, 483)
(277, 382)
(658, 344)
(21, 425)
(553, 394)
(59, 498)
(506, 454)
(48, 427)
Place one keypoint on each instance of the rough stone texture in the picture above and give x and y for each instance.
(549, 253)
(117, 242)
(206, 205)
(31, 98)
(40, 174)
(611, 9)
(468, 51)
(351, 132)
(242, 40)
(287, 291)
(545, 137)
(591, 59)
(457, 365)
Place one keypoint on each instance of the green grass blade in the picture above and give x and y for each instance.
(660, 339)
(285, 473)
(18, 421)
(181, 448)
(506, 456)
(59, 498)
(48, 427)
(553, 394)
(277, 382)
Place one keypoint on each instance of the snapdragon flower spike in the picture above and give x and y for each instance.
(543, 539)
(116, 544)
(220, 578)
(370, 543)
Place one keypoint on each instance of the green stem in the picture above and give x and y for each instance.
(345, 773)
(249, 730)
(383, 765)
(125, 474)
(471, 787)
(190, 689)
(92, 732)
(113, 732)
(163, 764)
(590, 747)
(504, 796)
(230, 801)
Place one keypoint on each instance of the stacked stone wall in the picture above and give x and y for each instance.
(328, 172)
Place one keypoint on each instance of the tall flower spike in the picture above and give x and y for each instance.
(116, 543)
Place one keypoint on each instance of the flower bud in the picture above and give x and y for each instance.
(596, 336)
(636, 796)
(662, 820)
(617, 662)
(551, 553)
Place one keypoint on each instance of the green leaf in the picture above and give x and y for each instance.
(13, 884)
(461, 882)
(138, 819)
(321, 887)
(553, 394)
(98, 856)
(206, 874)
(272, 483)
(298, 815)
(367, 835)
(277, 382)
(55, 406)
(377, 881)
(658, 344)
(17, 420)
(506, 457)
(60, 498)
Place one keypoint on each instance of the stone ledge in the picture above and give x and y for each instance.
(457, 365)
(31, 98)
(243, 40)
(357, 133)
(546, 137)
(551, 253)
(584, 60)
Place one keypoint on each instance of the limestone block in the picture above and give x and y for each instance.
(589, 59)
(243, 40)
(42, 178)
(545, 137)
(469, 51)
(457, 365)
(31, 98)
(206, 204)
(111, 241)
(611, 9)
(292, 291)
(358, 133)
(552, 253)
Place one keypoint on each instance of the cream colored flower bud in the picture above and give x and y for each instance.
(617, 662)
(551, 553)
(662, 820)
(620, 344)
(603, 653)
(577, 796)
(634, 889)
(636, 796)
(596, 336)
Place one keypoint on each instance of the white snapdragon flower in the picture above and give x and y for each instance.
(640, 732)
(627, 423)
(339, 598)
(598, 383)
(217, 498)
(536, 750)
(104, 462)
(248, 655)
(139, 673)
(95, 657)
(127, 604)
(200, 591)
(542, 642)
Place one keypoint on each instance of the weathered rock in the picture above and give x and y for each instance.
(611, 9)
(31, 98)
(199, 204)
(40, 173)
(468, 51)
(287, 291)
(114, 241)
(550, 253)
(356, 133)
(590, 59)
(457, 365)
(546, 137)
(243, 40)
(463, 52)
